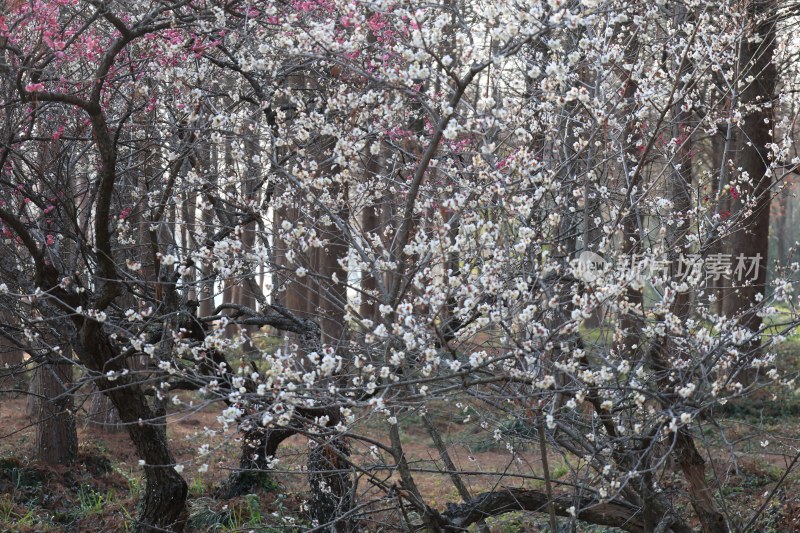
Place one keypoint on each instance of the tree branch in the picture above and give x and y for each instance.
(613, 513)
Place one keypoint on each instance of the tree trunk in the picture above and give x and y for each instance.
(207, 162)
(245, 295)
(56, 436)
(694, 471)
(331, 485)
(689, 459)
(11, 358)
(630, 322)
(258, 446)
(102, 413)
(332, 284)
(370, 224)
(163, 507)
(751, 240)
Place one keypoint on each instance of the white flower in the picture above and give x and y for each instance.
(202, 468)
(133, 266)
(451, 132)
(178, 468)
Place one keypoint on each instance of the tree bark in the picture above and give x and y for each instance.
(258, 445)
(331, 485)
(630, 320)
(56, 435)
(614, 514)
(694, 471)
(332, 284)
(370, 225)
(102, 412)
(164, 502)
(11, 358)
(751, 240)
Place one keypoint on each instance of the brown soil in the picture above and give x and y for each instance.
(98, 493)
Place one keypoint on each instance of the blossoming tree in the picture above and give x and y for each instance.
(504, 209)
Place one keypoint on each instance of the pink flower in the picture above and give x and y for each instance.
(33, 87)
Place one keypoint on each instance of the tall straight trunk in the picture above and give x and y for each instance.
(230, 292)
(370, 224)
(630, 321)
(207, 160)
(101, 412)
(718, 152)
(329, 469)
(11, 358)
(294, 292)
(782, 227)
(751, 240)
(56, 436)
(245, 295)
(332, 293)
(688, 458)
(680, 181)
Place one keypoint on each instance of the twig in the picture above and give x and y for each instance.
(772, 493)
(547, 487)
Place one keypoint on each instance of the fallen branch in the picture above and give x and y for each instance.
(614, 513)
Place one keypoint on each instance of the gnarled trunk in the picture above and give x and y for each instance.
(163, 507)
(258, 446)
(331, 485)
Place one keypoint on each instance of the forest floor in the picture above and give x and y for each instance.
(100, 492)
